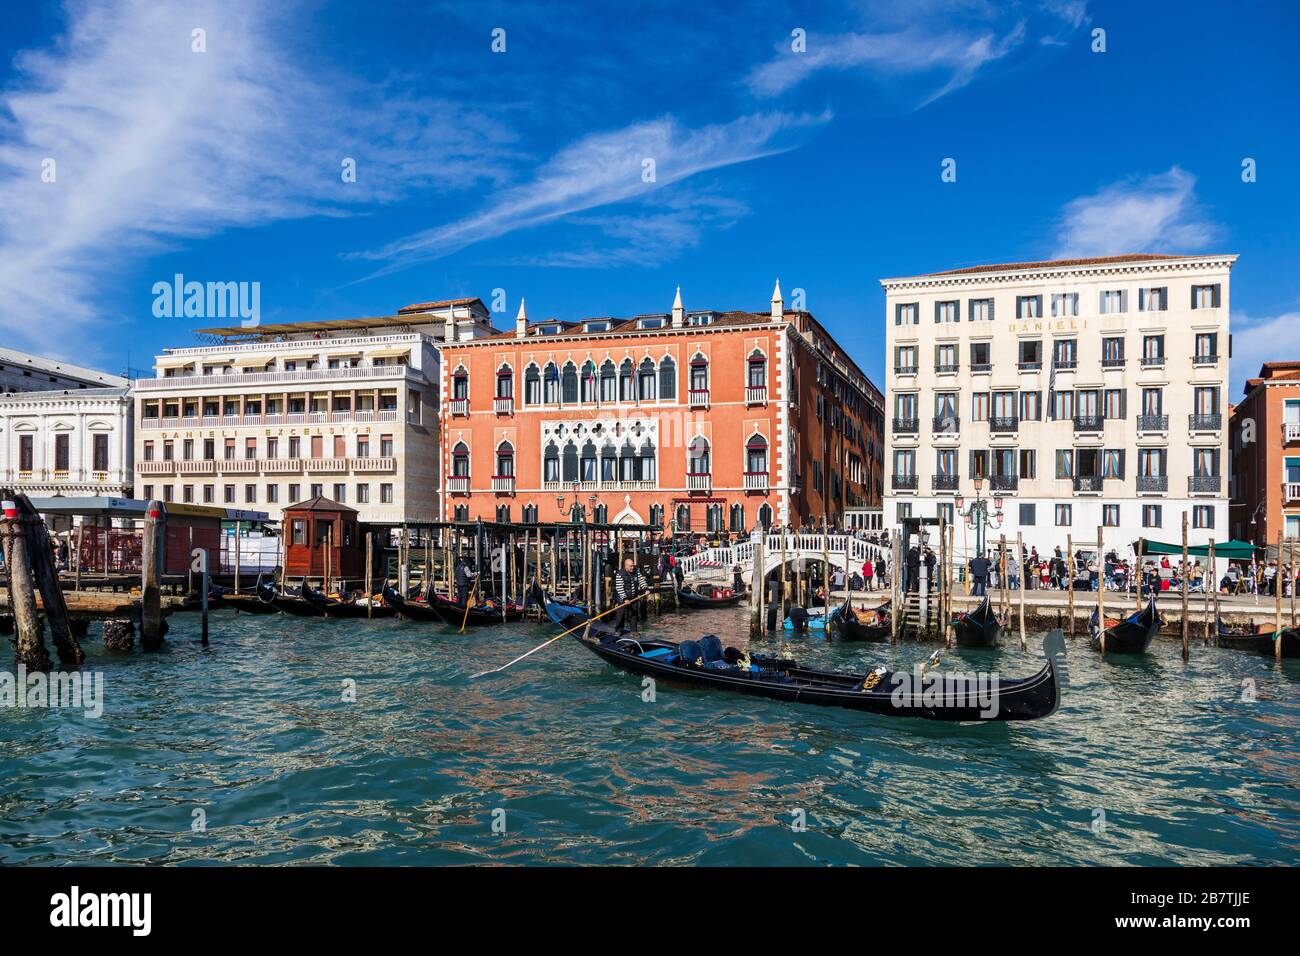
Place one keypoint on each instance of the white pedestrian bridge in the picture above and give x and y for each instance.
(843, 551)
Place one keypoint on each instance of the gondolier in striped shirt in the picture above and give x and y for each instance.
(629, 583)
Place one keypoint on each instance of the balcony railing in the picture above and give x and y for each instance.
(156, 467)
(755, 394)
(697, 398)
(1004, 482)
(281, 466)
(1089, 423)
(905, 369)
(1004, 423)
(699, 481)
(241, 379)
(1291, 431)
(946, 424)
(1087, 484)
(372, 464)
(270, 418)
(756, 481)
(1152, 483)
(1153, 361)
(503, 484)
(906, 426)
(458, 485)
(1204, 484)
(1205, 359)
(503, 405)
(904, 482)
(1291, 491)
(459, 406)
(1065, 365)
(944, 482)
(327, 466)
(237, 466)
(1030, 366)
(1205, 423)
(981, 368)
(1153, 423)
(200, 466)
(1113, 362)
(945, 369)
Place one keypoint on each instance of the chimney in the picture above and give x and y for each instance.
(521, 321)
(778, 304)
(679, 313)
(449, 326)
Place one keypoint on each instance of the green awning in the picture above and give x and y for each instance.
(1228, 550)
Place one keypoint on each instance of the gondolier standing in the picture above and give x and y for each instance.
(979, 574)
(629, 583)
(464, 578)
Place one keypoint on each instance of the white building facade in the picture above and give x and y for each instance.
(273, 415)
(1080, 394)
(23, 372)
(74, 443)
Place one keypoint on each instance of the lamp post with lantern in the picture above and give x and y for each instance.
(978, 515)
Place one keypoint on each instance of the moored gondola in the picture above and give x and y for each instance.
(334, 607)
(411, 608)
(1133, 635)
(1261, 638)
(708, 596)
(977, 628)
(479, 615)
(861, 625)
(288, 602)
(707, 664)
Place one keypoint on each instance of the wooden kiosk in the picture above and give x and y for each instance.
(322, 540)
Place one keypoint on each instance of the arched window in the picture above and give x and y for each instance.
(645, 380)
(756, 455)
(657, 515)
(667, 378)
(647, 461)
(569, 384)
(461, 513)
(699, 373)
(570, 470)
(626, 385)
(697, 462)
(757, 369)
(460, 383)
(503, 514)
(608, 382)
(530, 514)
(683, 518)
(577, 513)
(713, 518)
(627, 461)
(608, 462)
(765, 516)
(737, 517)
(551, 381)
(589, 381)
(600, 514)
(460, 460)
(505, 382)
(551, 463)
(589, 461)
(532, 386)
(505, 460)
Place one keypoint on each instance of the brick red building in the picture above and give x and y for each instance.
(697, 420)
(1265, 436)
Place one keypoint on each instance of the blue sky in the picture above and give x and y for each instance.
(524, 170)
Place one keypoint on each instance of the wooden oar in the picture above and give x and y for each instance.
(558, 636)
(472, 591)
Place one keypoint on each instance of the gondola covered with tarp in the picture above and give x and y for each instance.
(707, 664)
(1132, 635)
(861, 624)
(481, 614)
(707, 595)
(978, 627)
(1261, 638)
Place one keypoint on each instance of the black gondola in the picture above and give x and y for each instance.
(411, 608)
(480, 615)
(1132, 635)
(690, 597)
(295, 604)
(1261, 638)
(977, 628)
(849, 625)
(333, 607)
(706, 663)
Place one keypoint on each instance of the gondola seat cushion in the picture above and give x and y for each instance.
(659, 653)
(689, 652)
(711, 649)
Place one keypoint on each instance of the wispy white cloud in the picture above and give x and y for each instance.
(1259, 340)
(603, 169)
(1142, 214)
(155, 144)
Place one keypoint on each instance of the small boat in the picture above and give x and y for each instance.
(335, 607)
(814, 621)
(410, 608)
(1132, 635)
(861, 625)
(1262, 638)
(705, 663)
(246, 600)
(708, 596)
(288, 602)
(977, 628)
(453, 612)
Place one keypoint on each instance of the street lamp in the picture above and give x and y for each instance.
(978, 515)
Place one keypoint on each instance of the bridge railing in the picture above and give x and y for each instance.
(851, 551)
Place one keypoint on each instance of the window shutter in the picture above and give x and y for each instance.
(1121, 462)
(990, 310)
(1193, 297)
(1216, 295)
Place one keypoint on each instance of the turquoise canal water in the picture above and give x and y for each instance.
(1148, 762)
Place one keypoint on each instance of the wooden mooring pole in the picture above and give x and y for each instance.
(1021, 581)
(151, 555)
(30, 632)
(1069, 564)
(1277, 597)
(1185, 575)
(1101, 591)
